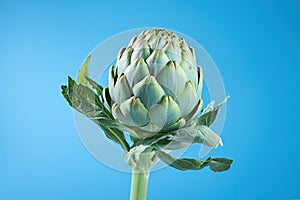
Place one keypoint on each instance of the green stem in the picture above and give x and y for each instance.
(139, 185)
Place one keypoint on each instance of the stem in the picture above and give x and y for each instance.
(139, 185)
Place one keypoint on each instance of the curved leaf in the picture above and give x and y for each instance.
(84, 100)
(210, 113)
(83, 72)
(215, 164)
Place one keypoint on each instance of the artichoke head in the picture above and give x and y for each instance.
(156, 85)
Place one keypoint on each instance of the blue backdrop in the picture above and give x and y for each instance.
(255, 45)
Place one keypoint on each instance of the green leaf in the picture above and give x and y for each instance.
(215, 164)
(182, 138)
(208, 137)
(187, 136)
(150, 140)
(210, 114)
(107, 122)
(95, 86)
(84, 100)
(117, 136)
(83, 72)
(71, 85)
(64, 92)
(220, 164)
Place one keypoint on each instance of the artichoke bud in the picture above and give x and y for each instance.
(156, 86)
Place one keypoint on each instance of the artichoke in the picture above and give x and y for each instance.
(156, 85)
(154, 93)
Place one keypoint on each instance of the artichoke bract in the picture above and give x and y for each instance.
(156, 84)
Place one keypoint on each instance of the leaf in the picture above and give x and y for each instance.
(83, 73)
(215, 164)
(84, 100)
(64, 92)
(182, 138)
(220, 164)
(109, 122)
(209, 113)
(150, 141)
(207, 137)
(95, 86)
(187, 136)
(117, 136)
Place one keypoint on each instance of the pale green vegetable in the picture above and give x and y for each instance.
(156, 85)
(154, 94)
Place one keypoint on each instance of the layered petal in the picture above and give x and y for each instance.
(172, 77)
(190, 70)
(149, 91)
(179, 124)
(124, 61)
(151, 128)
(158, 115)
(156, 61)
(200, 82)
(139, 113)
(111, 82)
(173, 51)
(141, 50)
(157, 43)
(173, 110)
(190, 117)
(117, 114)
(193, 53)
(122, 90)
(134, 110)
(187, 98)
(133, 40)
(136, 72)
(120, 53)
(165, 113)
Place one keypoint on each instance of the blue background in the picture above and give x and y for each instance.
(255, 45)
